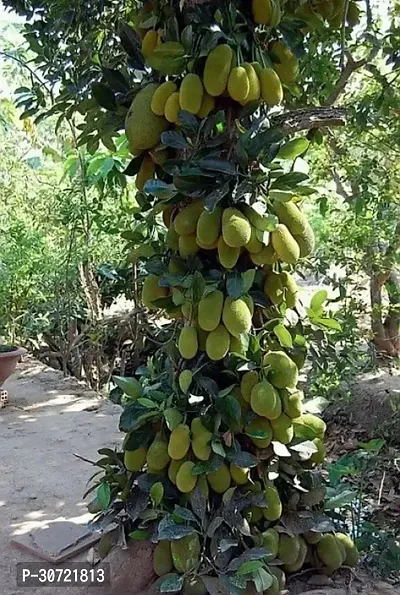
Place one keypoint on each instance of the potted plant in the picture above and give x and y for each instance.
(9, 357)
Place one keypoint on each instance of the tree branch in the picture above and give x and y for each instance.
(351, 66)
(313, 118)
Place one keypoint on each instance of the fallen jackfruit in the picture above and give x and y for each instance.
(271, 87)
(185, 480)
(248, 382)
(135, 459)
(285, 245)
(264, 399)
(191, 93)
(217, 343)
(228, 256)
(143, 128)
(260, 432)
(185, 222)
(157, 456)
(236, 316)
(210, 310)
(186, 553)
(283, 372)
(238, 84)
(162, 558)
(220, 480)
(188, 342)
(151, 291)
(236, 228)
(329, 552)
(160, 97)
(273, 512)
(289, 548)
(217, 70)
(209, 227)
(179, 442)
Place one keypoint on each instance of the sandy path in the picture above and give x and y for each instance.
(40, 479)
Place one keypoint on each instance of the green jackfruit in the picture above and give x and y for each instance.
(291, 403)
(273, 288)
(306, 241)
(285, 62)
(185, 222)
(220, 480)
(201, 440)
(312, 537)
(283, 372)
(162, 558)
(254, 246)
(273, 512)
(285, 245)
(161, 96)
(167, 58)
(217, 70)
(254, 82)
(352, 555)
(271, 87)
(319, 456)
(172, 108)
(236, 228)
(262, 11)
(290, 215)
(185, 481)
(236, 316)
(210, 310)
(143, 128)
(266, 256)
(145, 173)
(289, 548)
(254, 515)
(290, 289)
(194, 586)
(298, 564)
(283, 429)
(157, 455)
(260, 432)
(173, 469)
(217, 343)
(314, 423)
(329, 552)
(342, 549)
(188, 245)
(237, 346)
(207, 106)
(135, 459)
(191, 93)
(239, 475)
(151, 291)
(264, 399)
(209, 227)
(238, 84)
(228, 256)
(185, 380)
(172, 239)
(271, 542)
(179, 442)
(248, 382)
(186, 553)
(149, 42)
(188, 342)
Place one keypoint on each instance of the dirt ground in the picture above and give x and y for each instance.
(41, 482)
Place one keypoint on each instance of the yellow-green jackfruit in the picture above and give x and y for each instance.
(260, 432)
(186, 553)
(149, 42)
(201, 440)
(151, 291)
(248, 382)
(254, 82)
(157, 456)
(191, 93)
(143, 128)
(283, 429)
(210, 310)
(290, 215)
(172, 108)
(172, 239)
(312, 537)
(209, 227)
(271, 87)
(285, 245)
(239, 475)
(314, 423)
(185, 222)
(135, 459)
(220, 480)
(273, 288)
(217, 343)
(254, 246)
(188, 245)
(306, 241)
(217, 70)
(162, 558)
(264, 399)
(273, 512)
(173, 469)
(236, 316)
(161, 96)
(262, 11)
(236, 229)
(185, 380)
(298, 564)
(291, 403)
(207, 106)
(352, 555)
(285, 62)
(188, 342)
(238, 84)
(146, 172)
(228, 256)
(179, 442)
(290, 289)
(271, 542)
(319, 456)
(237, 346)
(185, 480)
(283, 372)
(329, 552)
(289, 548)
(266, 256)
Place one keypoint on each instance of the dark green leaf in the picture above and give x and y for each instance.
(242, 459)
(140, 437)
(235, 285)
(218, 165)
(174, 532)
(229, 407)
(103, 495)
(131, 417)
(213, 464)
(174, 139)
(104, 96)
(129, 385)
(173, 583)
(133, 167)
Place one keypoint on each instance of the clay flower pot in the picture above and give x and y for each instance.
(9, 357)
